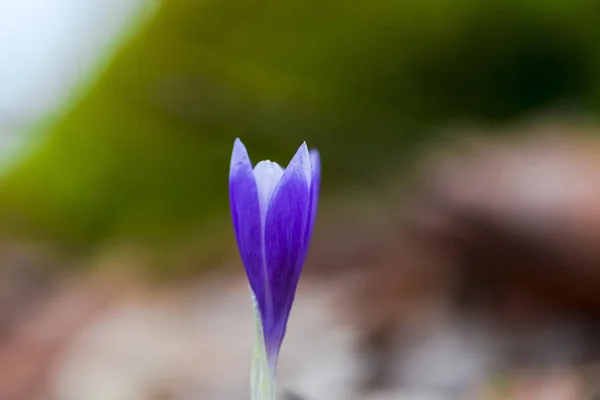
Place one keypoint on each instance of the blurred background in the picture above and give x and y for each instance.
(457, 250)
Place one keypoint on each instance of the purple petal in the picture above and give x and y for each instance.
(315, 186)
(245, 212)
(287, 221)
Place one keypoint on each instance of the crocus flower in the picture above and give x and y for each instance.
(273, 211)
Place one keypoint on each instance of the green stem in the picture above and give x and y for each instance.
(262, 379)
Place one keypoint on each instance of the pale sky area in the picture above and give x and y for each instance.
(46, 46)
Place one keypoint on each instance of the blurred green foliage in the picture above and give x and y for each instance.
(145, 152)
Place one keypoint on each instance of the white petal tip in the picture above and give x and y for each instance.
(315, 156)
(266, 174)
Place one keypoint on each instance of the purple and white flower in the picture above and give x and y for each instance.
(273, 211)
